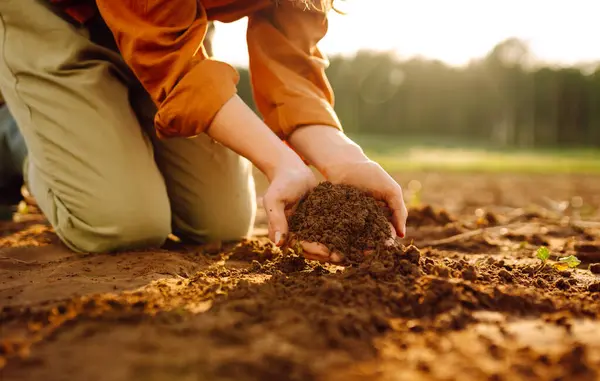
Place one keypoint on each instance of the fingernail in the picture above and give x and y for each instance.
(335, 258)
(277, 237)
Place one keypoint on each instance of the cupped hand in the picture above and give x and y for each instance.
(287, 187)
(319, 252)
(370, 177)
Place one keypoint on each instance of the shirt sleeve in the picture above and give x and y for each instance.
(161, 41)
(287, 69)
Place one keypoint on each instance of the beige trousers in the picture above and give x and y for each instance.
(97, 170)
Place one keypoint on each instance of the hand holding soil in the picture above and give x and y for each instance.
(342, 161)
(287, 187)
(338, 223)
(370, 195)
(371, 178)
(320, 252)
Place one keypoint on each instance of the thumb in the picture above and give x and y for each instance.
(399, 213)
(278, 226)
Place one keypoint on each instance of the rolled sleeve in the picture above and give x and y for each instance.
(161, 41)
(192, 105)
(290, 86)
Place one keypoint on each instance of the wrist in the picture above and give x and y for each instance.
(326, 147)
(279, 161)
(255, 141)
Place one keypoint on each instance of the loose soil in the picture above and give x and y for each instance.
(462, 297)
(342, 218)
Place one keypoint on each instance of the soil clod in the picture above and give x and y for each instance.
(343, 218)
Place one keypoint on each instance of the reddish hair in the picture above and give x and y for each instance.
(316, 5)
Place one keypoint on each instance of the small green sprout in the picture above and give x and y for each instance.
(543, 254)
(570, 262)
(567, 262)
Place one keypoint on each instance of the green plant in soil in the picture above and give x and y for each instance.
(567, 262)
(543, 254)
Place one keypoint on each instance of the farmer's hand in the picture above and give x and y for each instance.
(319, 252)
(289, 177)
(342, 161)
(367, 175)
(371, 178)
(288, 185)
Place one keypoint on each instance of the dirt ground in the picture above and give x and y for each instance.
(464, 298)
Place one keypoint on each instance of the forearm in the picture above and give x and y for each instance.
(238, 128)
(289, 83)
(325, 147)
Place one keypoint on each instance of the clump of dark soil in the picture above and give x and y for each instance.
(341, 217)
(588, 251)
(428, 216)
(595, 268)
(253, 250)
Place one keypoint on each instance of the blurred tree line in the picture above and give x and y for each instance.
(500, 99)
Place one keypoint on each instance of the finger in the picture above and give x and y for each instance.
(291, 210)
(395, 201)
(319, 252)
(387, 212)
(336, 257)
(278, 226)
(392, 240)
(315, 258)
(392, 230)
(316, 249)
(399, 220)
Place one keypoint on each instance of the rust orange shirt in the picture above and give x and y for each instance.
(161, 40)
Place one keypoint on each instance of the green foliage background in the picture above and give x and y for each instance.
(500, 100)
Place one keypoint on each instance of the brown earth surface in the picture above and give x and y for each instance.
(461, 297)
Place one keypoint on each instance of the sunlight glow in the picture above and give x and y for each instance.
(454, 31)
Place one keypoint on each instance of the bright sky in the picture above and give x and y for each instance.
(454, 31)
